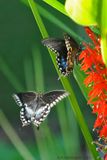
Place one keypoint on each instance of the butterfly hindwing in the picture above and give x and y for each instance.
(35, 107)
(62, 63)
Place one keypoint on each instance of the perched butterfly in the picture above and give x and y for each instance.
(35, 107)
(66, 52)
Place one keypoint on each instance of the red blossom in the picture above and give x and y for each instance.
(98, 122)
(96, 79)
(103, 132)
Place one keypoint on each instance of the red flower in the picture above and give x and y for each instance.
(92, 64)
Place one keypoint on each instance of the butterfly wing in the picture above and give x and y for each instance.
(70, 42)
(54, 97)
(26, 101)
(47, 101)
(58, 46)
(72, 52)
(23, 98)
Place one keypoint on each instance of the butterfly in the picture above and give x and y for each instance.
(66, 52)
(35, 107)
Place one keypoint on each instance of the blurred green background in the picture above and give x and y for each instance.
(26, 65)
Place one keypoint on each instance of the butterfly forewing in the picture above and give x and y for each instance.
(55, 45)
(24, 98)
(35, 107)
(54, 96)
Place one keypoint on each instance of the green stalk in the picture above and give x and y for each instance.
(67, 86)
(16, 141)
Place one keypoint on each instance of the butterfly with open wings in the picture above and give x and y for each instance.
(35, 107)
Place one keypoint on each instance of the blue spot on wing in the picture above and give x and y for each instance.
(63, 63)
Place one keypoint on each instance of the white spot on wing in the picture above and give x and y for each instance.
(59, 99)
(17, 100)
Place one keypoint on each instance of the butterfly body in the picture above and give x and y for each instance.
(35, 107)
(66, 51)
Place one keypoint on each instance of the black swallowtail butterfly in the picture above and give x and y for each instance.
(35, 106)
(66, 52)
